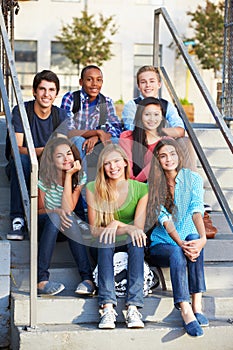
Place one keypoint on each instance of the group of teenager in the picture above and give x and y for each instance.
(145, 192)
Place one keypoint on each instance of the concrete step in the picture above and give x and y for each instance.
(4, 182)
(210, 138)
(210, 198)
(5, 199)
(164, 335)
(218, 157)
(216, 274)
(66, 308)
(223, 175)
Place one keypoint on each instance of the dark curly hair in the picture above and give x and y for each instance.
(48, 172)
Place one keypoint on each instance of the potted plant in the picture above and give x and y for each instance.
(188, 108)
(119, 105)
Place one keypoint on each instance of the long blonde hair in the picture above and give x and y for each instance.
(105, 194)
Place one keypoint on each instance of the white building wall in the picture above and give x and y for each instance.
(42, 20)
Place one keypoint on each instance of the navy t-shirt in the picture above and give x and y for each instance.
(41, 129)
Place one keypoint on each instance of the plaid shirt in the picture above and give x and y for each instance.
(87, 118)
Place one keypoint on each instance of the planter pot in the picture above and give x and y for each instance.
(189, 111)
(119, 108)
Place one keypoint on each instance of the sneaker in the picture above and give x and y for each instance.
(107, 318)
(51, 288)
(85, 288)
(17, 232)
(133, 319)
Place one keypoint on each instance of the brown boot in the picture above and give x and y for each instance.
(209, 228)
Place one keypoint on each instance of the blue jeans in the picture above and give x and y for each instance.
(187, 277)
(48, 233)
(135, 275)
(16, 205)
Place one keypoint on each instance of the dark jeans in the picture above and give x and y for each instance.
(187, 277)
(135, 275)
(48, 233)
(16, 205)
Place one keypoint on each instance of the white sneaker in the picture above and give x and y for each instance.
(133, 318)
(107, 318)
(17, 232)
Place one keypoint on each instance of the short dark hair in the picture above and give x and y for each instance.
(46, 75)
(91, 66)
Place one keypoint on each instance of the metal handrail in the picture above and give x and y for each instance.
(30, 206)
(208, 98)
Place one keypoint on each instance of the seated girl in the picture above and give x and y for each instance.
(60, 183)
(174, 212)
(117, 213)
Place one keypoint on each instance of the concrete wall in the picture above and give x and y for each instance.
(4, 293)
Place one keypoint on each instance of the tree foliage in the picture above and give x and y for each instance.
(208, 25)
(86, 40)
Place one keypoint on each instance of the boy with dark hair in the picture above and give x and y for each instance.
(44, 118)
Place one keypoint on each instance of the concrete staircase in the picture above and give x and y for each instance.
(67, 321)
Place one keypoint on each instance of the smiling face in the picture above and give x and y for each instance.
(168, 158)
(92, 82)
(151, 117)
(114, 166)
(63, 157)
(149, 84)
(45, 94)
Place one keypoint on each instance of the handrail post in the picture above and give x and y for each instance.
(156, 62)
(208, 98)
(32, 218)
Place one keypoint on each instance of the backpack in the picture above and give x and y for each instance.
(30, 112)
(163, 102)
(103, 107)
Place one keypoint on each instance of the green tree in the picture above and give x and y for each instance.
(208, 25)
(86, 40)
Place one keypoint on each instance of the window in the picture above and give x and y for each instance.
(143, 55)
(26, 63)
(63, 67)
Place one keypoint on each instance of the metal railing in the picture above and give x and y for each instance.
(30, 204)
(209, 101)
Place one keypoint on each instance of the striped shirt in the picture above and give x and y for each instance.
(53, 194)
(188, 199)
(87, 118)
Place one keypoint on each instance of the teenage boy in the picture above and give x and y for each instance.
(44, 118)
(149, 83)
(92, 116)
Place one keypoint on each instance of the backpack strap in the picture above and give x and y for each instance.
(137, 100)
(76, 101)
(164, 104)
(102, 102)
(103, 110)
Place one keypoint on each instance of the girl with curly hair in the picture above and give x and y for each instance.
(60, 182)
